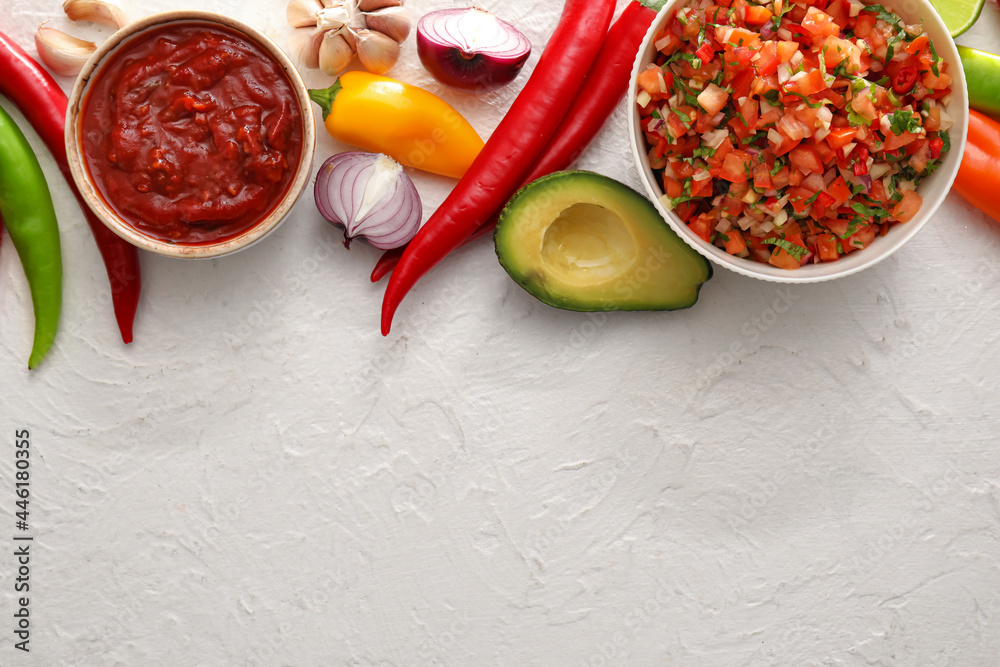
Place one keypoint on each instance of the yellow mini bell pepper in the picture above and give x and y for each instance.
(409, 124)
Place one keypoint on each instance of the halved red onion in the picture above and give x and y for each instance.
(370, 196)
(470, 48)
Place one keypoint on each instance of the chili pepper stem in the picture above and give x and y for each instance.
(325, 97)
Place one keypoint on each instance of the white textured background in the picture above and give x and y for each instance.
(262, 479)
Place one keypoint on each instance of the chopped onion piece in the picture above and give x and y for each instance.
(879, 170)
(946, 120)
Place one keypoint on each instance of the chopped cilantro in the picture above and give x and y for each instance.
(934, 55)
(885, 15)
(796, 251)
(855, 119)
(946, 140)
(805, 99)
(812, 199)
(686, 119)
(778, 164)
(869, 211)
(690, 57)
(771, 96)
(903, 121)
(704, 152)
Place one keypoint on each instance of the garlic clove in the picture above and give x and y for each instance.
(334, 53)
(63, 54)
(95, 11)
(377, 52)
(302, 13)
(392, 21)
(304, 45)
(336, 18)
(372, 5)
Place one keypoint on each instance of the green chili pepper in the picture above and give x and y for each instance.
(27, 211)
(982, 74)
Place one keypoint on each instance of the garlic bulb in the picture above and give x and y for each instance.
(371, 29)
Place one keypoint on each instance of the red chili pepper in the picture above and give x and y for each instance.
(705, 52)
(904, 80)
(512, 149)
(604, 86)
(43, 103)
(936, 145)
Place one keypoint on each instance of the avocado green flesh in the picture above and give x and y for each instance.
(581, 241)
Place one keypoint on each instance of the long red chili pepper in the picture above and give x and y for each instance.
(511, 150)
(603, 88)
(43, 103)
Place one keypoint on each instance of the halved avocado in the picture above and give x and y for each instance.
(582, 241)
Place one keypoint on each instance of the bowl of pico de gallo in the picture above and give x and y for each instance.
(797, 141)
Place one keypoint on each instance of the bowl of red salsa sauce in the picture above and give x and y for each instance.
(797, 140)
(190, 134)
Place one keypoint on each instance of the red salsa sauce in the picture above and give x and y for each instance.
(192, 133)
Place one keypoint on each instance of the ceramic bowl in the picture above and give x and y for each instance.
(933, 189)
(108, 215)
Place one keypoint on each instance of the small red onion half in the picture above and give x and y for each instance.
(471, 49)
(370, 196)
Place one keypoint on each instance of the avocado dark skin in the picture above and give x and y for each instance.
(581, 241)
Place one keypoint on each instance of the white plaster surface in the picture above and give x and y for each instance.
(777, 476)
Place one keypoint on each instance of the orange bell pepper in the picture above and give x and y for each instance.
(409, 124)
(978, 177)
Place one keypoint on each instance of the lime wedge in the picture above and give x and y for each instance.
(958, 15)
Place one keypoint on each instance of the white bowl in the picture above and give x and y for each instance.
(933, 189)
(109, 216)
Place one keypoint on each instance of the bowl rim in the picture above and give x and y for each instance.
(900, 233)
(88, 188)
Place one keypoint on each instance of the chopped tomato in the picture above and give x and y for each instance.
(713, 99)
(734, 169)
(766, 60)
(812, 82)
(786, 50)
(762, 177)
(702, 227)
(805, 159)
(841, 136)
(799, 198)
(819, 23)
(908, 206)
(839, 191)
(735, 243)
(826, 248)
